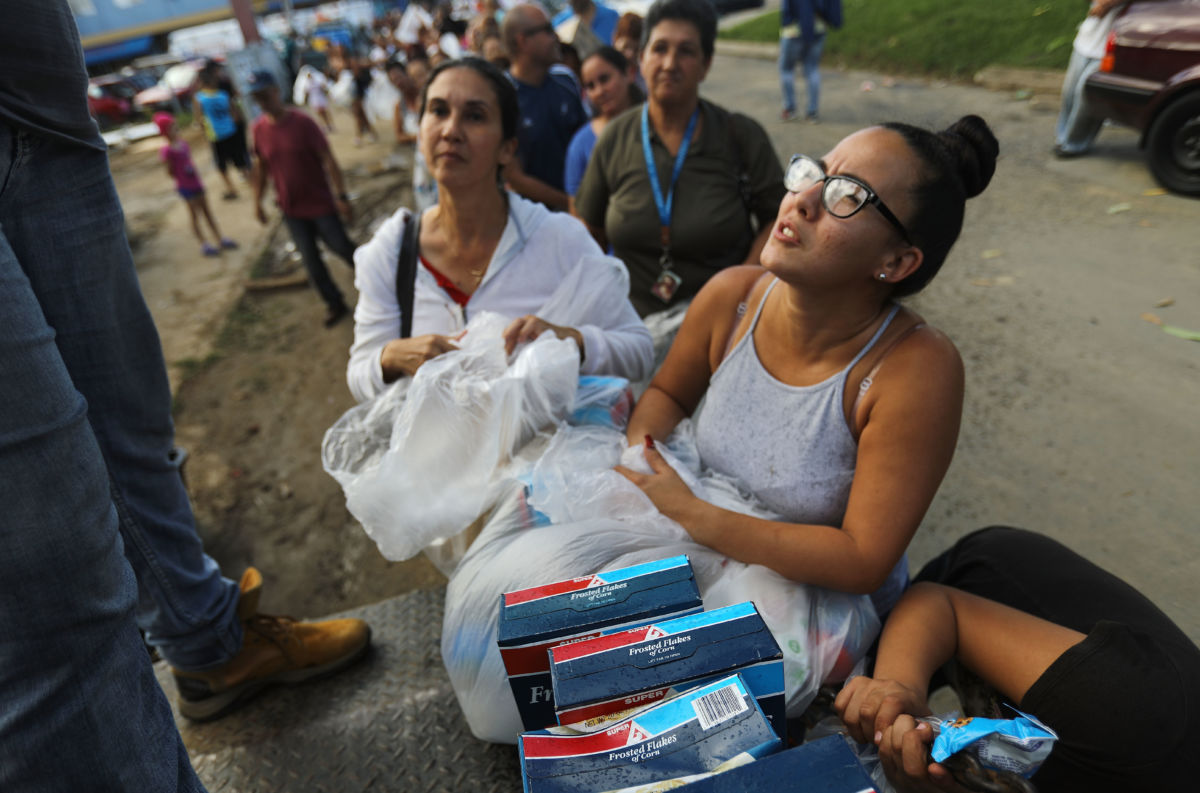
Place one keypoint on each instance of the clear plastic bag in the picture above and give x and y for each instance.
(598, 521)
(420, 462)
(417, 462)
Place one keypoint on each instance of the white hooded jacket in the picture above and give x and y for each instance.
(537, 252)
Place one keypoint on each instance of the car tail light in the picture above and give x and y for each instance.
(1110, 53)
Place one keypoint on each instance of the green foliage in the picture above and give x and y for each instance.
(952, 38)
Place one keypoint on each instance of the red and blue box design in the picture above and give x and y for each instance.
(696, 732)
(533, 620)
(600, 680)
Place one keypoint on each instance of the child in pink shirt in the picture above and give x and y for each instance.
(178, 159)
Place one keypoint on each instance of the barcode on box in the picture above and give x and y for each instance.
(718, 706)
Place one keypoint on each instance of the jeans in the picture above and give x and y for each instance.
(1077, 127)
(793, 51)
(329, 228)
(96, 526)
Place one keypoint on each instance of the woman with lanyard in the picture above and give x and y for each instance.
(677, 187)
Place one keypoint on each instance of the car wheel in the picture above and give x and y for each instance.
(1173, 144)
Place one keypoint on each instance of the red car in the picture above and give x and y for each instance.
(110, 99)
(1150, 80)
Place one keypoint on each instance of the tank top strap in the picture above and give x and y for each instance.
(875, 338)
(761, 303)
(730, 348)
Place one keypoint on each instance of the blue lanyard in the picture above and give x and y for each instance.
(665, 206)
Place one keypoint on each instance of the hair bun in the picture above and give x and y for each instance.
(973, 148)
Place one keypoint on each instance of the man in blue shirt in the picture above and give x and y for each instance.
(551, 108)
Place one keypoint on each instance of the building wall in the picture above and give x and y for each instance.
(104, 22)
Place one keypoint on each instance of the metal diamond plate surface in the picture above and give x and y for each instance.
(388, 723)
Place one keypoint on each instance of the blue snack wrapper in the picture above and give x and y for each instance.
(1019, 745)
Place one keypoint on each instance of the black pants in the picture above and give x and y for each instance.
(1125, 701)
(329, 228)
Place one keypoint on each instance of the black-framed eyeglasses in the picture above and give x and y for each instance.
(842, 196)
(546, 28)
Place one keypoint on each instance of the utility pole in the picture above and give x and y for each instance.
(245, 17)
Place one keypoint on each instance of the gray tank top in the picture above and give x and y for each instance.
(789, 445)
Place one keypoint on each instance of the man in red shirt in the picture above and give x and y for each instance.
(291, 147)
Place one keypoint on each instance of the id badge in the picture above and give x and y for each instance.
(666, 286)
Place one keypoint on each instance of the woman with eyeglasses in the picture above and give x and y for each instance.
(682, 188)
(836, 406)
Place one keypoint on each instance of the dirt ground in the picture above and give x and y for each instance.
(1079, 418)
(258, 379)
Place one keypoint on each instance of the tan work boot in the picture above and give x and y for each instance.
(274, 650)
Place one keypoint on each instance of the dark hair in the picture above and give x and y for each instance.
(415, 52)
(569, 57)
(616, 59)
(699, 12)
(630, 24)
(957, 164)
(506, 95)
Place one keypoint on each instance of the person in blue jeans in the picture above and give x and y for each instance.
(97, 531)
(803, 24)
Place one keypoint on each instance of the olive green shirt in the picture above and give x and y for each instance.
(710, 224)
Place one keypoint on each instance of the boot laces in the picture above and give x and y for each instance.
(274, 628)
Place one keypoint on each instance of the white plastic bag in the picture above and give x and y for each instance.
(593, 519)
(341, 93)
(380, 100)
(416, 462)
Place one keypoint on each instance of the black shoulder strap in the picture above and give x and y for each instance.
(406, 273)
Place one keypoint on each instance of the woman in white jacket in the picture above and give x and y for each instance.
(481, 248)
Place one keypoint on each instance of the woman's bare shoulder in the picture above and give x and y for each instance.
(729, 286)
(917, 338)
(913, 359)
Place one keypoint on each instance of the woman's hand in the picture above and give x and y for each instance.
(868, 706)
(403, 357)
(529, 327)
(666, 489)
(904, 757)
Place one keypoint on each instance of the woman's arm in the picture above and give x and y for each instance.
(931, 624)
(402, 136)
(908, 438)
(612, 339)
(378, 356)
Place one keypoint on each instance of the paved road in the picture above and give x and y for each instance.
(1080, 418)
